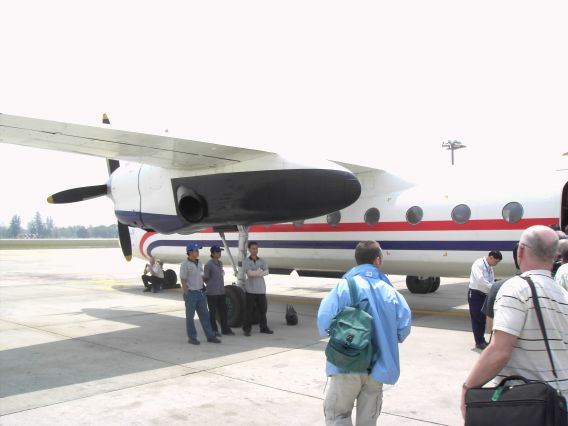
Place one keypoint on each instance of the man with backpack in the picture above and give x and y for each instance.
(390, 318)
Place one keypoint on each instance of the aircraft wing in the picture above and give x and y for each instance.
(162, 151)
(356, 168)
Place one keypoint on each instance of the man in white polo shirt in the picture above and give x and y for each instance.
(256, 269)
(155, 280)
(480, 281)
(517, 346)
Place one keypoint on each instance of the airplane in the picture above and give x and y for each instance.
(307, 215)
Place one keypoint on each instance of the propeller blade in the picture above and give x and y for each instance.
(112, 165)
(77, 194)
(124, 238)
(123, 232)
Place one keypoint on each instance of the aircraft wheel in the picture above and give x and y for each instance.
(436, 284)
(235, 298)
(420, 285)
(170, 278)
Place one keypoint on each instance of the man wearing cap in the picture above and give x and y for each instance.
(191, 275)
(256, 269)
(213, 277)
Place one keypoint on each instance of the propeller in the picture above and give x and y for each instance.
(123, 231)
(88, 192)
(124, 239)
(78, 194)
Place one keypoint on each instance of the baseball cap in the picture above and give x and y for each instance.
(215, 248)
(192, 246)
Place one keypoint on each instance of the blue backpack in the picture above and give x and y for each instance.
(350, 336)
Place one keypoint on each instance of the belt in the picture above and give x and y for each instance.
(477, 291)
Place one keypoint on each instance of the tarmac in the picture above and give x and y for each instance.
(81, 344)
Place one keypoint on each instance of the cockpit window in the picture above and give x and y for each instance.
(414, 215)
(461, 214)
(333, 218)
(513, 212)
(298, 223)
(372, 216)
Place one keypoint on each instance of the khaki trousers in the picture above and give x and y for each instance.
(342, 392)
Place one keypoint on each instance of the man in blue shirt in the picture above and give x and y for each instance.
(391, 325)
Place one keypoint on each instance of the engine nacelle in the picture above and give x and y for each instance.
(154, 198)
(263, 196)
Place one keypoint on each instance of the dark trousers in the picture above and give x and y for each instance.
(476, 299)
(152, 282)
(258, 300)
(215, 303)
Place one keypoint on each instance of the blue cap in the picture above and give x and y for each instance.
(192, 246)
(216, 249)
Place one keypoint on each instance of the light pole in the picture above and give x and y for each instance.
(452, 146)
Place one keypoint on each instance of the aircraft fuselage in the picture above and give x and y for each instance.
(430, 229)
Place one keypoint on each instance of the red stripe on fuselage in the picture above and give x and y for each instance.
(143, 240)
(433, 225)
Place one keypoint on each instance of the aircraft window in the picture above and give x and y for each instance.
(333, 218)
(414, 215)
(513, 212)
(461, 214)
(298, 223)
(372, 216)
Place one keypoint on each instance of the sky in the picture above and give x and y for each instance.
(381, 83)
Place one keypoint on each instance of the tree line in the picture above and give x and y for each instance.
(38, 228)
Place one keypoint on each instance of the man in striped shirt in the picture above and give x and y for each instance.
(517, 346)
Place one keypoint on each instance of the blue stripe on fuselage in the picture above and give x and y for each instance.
(350, 245)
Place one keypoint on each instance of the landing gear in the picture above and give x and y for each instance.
(235, 293)
(422, 285)
(235, 299)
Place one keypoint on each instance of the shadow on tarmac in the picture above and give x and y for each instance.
(151, 341)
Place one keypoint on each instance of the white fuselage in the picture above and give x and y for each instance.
(435, 246)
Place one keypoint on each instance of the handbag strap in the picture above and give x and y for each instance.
(353, 292)
(541, 322)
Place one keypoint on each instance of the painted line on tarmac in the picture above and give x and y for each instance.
(308, 301)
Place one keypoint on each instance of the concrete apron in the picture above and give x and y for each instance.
(84, 349)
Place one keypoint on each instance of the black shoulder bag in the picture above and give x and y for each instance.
(529, 403)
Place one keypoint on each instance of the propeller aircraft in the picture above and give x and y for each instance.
(307, 215)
